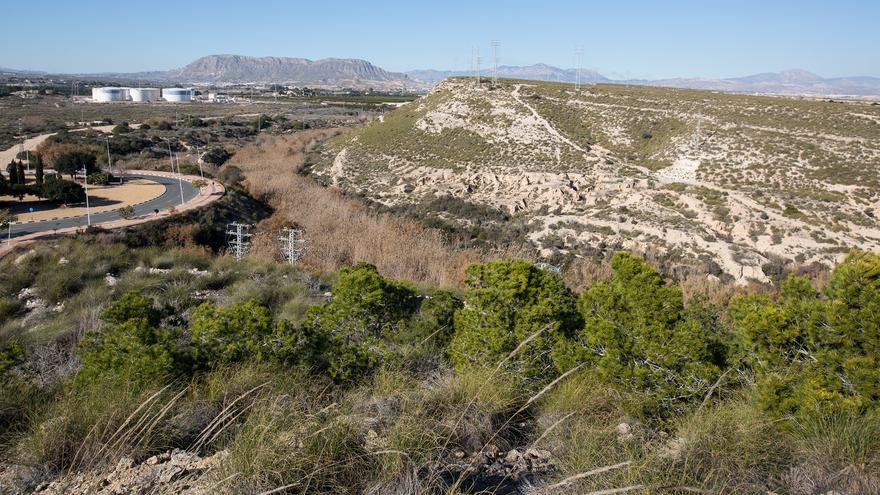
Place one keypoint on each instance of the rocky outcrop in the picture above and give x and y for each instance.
(240, 68)
(169, 473)
(497, 471)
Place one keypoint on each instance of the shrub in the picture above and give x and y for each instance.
(434, 319)
(122, 128)
(131, 306)
(192, 121)
(246, 331)
(99, 178)
(62, 191)
(11, 355)
(130, 344)
(216, 156)
(365, 308)
(816, 353)
(231, 175)
(133, 349)
(126, 212)
(636, 334)
(229, 334)
(507, 303)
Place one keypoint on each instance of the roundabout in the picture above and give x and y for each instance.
(177, 194)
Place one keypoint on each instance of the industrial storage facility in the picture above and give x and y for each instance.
(177, 94)
(144, 95)
(108, 94)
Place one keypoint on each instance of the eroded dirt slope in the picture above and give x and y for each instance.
(727, 179)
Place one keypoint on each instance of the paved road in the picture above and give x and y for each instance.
(171, 197)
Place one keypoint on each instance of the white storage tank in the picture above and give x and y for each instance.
(177, 95)
(108, 94)
(144, 95)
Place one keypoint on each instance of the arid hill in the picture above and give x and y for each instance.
(736, 183)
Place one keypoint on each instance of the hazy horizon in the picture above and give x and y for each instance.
(628, 40)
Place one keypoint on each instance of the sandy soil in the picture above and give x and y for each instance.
(101, 198)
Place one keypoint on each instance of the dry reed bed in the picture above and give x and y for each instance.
(341, 231)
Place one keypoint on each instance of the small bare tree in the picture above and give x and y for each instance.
(126, 212)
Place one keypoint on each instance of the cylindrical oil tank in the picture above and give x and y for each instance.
(144, 95)
(108, 94)
(177, 95)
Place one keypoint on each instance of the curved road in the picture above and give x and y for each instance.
(169, 198)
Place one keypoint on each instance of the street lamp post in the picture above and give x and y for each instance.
(180, 181)
(199, 161)
(88, 210)
(109, 161)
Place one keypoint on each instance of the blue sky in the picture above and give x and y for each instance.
(621, 38)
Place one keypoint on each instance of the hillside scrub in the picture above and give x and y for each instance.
(817, 351)
(388, 387)
(341, 231)
(506, 304)
(712, 182)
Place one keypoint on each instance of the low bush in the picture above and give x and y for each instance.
(247, 331)
(637, 335)
(216, 156)
(512, 305)
(99, 178)
(816, 352)
(131, 344)
(366, 308)
(61, 191)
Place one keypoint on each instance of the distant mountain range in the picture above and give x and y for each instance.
(240, 69)
(787, 82)
(243, 69)
(792, 82)
(361, 74)
(536, 72)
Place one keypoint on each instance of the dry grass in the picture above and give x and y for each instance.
(584, 272)
(341, 231)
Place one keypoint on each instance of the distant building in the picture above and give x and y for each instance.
(109, 94)
(178, 95)
(145, 95)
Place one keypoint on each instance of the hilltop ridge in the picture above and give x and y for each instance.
(239, 68)
(733, 182)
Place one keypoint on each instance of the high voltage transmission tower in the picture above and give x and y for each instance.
(237, 236)
(579, 58)
(293, 245)
(495, 44)
(476, 65)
